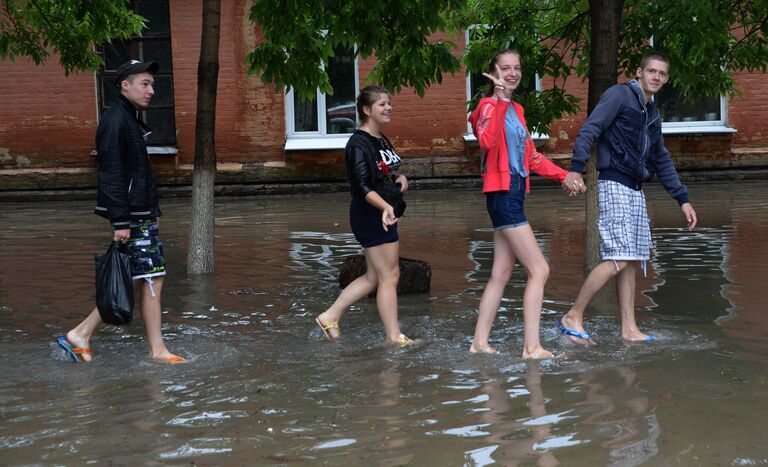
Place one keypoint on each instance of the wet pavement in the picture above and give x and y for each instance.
(265, 388)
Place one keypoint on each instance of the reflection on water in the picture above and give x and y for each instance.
(266, 388)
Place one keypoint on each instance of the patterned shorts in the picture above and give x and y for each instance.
(147, 259)
(625, 232)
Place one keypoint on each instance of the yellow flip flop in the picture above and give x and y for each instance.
(326, 327)
(403, 340)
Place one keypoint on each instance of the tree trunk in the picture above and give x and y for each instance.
(605, 27)
(201, 230)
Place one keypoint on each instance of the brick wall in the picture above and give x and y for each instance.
(249, 118)
(48, 121)
(748, 112)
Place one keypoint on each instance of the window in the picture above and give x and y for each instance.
(154, 45)
(677, 112)
(325, 121)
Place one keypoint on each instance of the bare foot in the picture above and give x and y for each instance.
(81, 343)
(537, 354)
(482, 349)
(574, 329)
(329, 328)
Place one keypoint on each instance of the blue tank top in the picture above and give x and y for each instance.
(516, 138)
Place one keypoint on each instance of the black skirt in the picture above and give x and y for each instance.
(365, 220)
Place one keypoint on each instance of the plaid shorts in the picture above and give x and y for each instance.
(625, 232)
(146, 249)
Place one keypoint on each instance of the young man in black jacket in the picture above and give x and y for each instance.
(626, 126)
(127, 197)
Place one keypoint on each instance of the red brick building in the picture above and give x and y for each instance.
(48, 121)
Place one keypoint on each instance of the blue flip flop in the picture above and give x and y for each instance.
(71, 350)
(647, 340)
(571, 332)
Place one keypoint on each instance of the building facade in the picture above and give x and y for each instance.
(264, 135)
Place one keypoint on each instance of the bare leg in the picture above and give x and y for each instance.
(596, 280)
(151, 314)
(501, 271)
(625, 291)
(527, 251)
(508, 245)
(385, 260)
(80, 336)
(352, 293)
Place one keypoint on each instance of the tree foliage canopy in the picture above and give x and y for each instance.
(304, 33)
(415, 41)
(68, 28)
(706, 40)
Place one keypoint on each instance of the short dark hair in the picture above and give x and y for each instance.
(492, 66)
(368, 96)
(653, 55)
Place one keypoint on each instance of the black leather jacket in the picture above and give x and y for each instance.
(127, 189)
(362, 172)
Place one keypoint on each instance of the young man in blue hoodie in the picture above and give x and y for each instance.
(626, 126)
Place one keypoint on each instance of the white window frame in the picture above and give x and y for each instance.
(469, 137)
(320, 139)
(701, 126)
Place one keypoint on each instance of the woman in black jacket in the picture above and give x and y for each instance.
(372, 166)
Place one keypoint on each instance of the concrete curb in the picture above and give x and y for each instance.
(259, 189)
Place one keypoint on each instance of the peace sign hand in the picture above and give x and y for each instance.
(501, 91)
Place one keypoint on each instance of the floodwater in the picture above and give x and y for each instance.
(265, 388)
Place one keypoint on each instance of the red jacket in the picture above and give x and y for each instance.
(488, 127)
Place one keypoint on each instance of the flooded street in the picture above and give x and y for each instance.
(266, 388)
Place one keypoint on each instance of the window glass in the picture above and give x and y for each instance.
(304, 114)
(163, 92)
(156, 13)
(157, 50)
(109, 92)
(116, 53)
(161, 122)
(674, 108)
(340, 107)
(328, 114)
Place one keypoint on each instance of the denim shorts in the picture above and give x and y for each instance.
(365, 221)
(146, 249)
(506, 208)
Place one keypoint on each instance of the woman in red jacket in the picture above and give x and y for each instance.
(509, 156)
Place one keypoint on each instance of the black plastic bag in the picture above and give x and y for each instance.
(114, 287)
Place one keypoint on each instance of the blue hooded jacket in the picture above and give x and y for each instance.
(630, 146)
